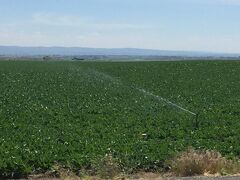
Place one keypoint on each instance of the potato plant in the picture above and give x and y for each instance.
(76, 113)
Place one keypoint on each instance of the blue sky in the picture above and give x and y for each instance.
(198, 25)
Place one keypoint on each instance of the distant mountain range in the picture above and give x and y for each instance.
(79, 51)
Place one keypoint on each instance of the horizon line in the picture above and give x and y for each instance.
(115, 48)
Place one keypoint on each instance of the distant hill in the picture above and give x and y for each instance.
(78, 51)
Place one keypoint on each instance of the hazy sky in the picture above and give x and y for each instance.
(202, 25)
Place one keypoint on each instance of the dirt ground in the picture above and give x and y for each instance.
(139, 176)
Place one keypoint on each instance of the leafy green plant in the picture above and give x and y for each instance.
(73, 112)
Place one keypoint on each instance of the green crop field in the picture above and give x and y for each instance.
(75, 113)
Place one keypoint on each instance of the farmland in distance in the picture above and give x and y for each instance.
(74, 113)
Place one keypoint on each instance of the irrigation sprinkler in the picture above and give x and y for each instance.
(157, 97)
(197, 123)
(166, 101)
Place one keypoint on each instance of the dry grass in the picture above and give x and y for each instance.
(103, 168)
(188, 163)
(107, 168)
(196, 162)
(57, 172)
